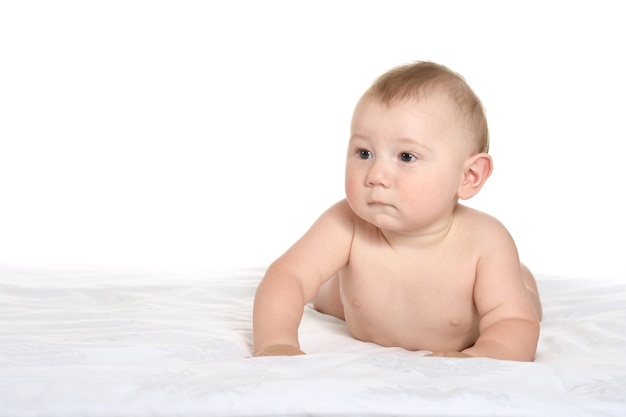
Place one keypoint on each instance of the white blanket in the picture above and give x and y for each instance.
(125, 342)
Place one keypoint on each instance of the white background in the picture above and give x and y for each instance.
(186, 133)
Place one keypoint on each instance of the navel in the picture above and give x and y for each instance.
(356, 303)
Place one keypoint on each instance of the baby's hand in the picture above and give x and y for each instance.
(450, 354)
(279, 350)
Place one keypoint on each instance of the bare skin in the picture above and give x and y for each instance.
(328, 298)
(400, 260)
(452, 325)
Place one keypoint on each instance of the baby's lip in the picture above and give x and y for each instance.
(377, 203)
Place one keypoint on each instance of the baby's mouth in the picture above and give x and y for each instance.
(378, 203)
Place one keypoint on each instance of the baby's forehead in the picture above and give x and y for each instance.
(439, 107)
(436, 102)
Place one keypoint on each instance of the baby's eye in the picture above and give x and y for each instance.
(407, 157)
(364, 154)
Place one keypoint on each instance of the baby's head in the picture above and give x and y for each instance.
(422, 80)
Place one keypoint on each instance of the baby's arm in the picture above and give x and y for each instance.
(509, 327)
(293, 280)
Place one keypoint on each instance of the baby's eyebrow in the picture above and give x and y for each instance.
(406, 140)
(409, 140)
(358, 137)
(362, 140)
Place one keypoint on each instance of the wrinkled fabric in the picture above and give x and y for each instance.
(108, 342)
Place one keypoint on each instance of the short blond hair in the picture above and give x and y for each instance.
(419, 79)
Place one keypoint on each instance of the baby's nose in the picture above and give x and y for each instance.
(379, 174)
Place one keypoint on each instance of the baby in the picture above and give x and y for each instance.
(400, 259)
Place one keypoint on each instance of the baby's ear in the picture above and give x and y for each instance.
(476, 171)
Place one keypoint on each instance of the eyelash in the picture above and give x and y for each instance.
(365, 154)
(409, 155)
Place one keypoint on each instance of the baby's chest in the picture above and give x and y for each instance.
(413, 310)
(409, 291)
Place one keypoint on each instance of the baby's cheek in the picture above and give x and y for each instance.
(351, 190)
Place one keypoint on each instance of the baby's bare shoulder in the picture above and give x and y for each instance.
(340, 213)
(489, 239)
(482, 228)
(468, 217)
(336, 223)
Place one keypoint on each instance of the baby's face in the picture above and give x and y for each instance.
(405, 162)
